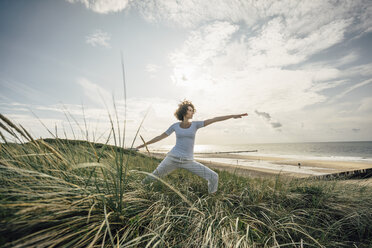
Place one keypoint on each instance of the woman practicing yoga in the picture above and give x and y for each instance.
(182, 154)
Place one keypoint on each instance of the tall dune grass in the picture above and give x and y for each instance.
(70, 193)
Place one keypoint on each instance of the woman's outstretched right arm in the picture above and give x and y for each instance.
(156, 139)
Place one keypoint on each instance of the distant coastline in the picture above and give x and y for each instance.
(260, 164)
(348, 151)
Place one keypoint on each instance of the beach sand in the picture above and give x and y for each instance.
(291, 169)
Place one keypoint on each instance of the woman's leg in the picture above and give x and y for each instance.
(164, 168)
(204, 172)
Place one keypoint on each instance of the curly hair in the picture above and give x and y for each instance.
(182, 109)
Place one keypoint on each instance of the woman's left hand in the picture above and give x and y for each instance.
(240, 116)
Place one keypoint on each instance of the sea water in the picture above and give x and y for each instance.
(348, 151)
(331, 151)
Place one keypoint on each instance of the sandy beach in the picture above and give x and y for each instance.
(266, 166)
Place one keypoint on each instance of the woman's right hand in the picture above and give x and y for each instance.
(240, 116)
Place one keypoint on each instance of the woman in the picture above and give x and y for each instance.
(182, 154)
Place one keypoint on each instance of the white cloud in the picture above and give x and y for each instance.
(365, 105)
(240, 48)
(193, 13)
(93, 91)
(213, 64)
(301, 17)
(349, 58)
(275, 45)
(98, 38)
(9, 88)
(358, 70)
(151, 68)
(192, 60)
(243, 55)
(352, 88)
(205, 43)
(246, 55)
(245, 65)
(103, 6)
(63, 116)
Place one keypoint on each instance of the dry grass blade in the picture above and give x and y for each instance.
(144, 142)
(108, 225)
(97, 234)
(36, 174)
(42, 123)
(144, 117)
(3, 137)
(50, 148)
(27, 133)
(32, 155)
(6, 129)
(94, 164)
(169, 186)
(125, 97)
(117, 121)
(7, 121)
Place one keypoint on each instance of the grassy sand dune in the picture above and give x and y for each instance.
(65, 193)
(69, 193)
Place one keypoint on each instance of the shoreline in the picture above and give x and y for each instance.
(268, 166)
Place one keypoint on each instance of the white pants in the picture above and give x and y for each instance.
(170, 163)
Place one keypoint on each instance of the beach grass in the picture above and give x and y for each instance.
(70, 193)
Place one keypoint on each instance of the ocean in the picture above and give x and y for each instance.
(338, 151)
(360, 152)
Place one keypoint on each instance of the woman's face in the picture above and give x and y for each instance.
(190, 112)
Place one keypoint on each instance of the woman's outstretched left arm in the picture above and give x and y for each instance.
(222, 118)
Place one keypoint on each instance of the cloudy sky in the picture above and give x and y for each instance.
(302, 70)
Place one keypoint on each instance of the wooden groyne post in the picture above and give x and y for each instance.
(358, 174)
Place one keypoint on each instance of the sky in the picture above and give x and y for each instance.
(302, 70)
